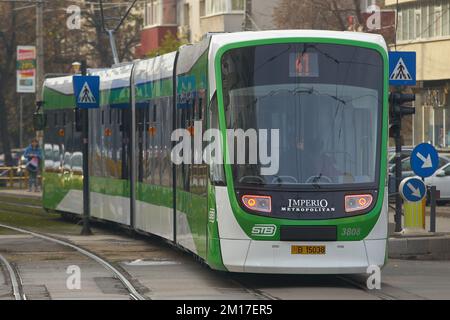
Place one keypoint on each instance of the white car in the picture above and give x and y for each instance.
(441, 179)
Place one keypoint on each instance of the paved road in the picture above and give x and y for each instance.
(160, 271)
(42, 267)
(167, 273)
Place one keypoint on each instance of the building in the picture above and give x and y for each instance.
(191, 19)
(423, 26)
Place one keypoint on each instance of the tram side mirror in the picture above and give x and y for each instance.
(38, 121)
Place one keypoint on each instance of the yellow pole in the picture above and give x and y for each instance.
(414, 215)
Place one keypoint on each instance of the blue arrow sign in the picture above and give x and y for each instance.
(412, 189)
(402, 68)
(424, 160)
(87, 91)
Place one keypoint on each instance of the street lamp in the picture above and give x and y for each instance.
(76, 67)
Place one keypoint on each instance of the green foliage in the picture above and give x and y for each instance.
(170, 43)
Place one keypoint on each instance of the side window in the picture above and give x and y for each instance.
(216, 170)
(406, 165)
(442, 162)
(447, 170)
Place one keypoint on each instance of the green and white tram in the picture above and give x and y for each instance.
(324, 208)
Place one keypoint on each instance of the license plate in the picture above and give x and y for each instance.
(308, 250)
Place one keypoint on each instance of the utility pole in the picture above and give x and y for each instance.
(397, 111)
(85, 149)
(39, 48)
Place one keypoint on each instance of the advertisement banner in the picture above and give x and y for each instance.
(26, 69)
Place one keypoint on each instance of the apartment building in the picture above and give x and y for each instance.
(423, 26)
(191, 19)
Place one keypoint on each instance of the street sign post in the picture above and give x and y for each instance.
(424, 160)
(402, 68)
(412, 189)
(87, 91)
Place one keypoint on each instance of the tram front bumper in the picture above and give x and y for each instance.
(340, 257)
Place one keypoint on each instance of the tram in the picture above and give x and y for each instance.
(319, 98)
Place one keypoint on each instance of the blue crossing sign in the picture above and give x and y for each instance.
(87, 91)
(402, 68)
(424, 160)
(412, 189)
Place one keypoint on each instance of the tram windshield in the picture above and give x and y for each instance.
(325, 100)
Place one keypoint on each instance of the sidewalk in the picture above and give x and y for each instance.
(21, 193)
(422, 246)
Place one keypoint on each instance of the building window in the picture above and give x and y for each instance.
(153, 12)
(400, 26)
(237, 5)
(223, 6)
(160, 12)
(423, 20)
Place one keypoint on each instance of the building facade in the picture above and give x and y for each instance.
(423, 26)
(191, 19)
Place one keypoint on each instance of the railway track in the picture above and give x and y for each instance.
(14, 278)
(133, 292)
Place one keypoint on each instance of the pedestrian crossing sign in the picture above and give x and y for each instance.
(86, 90)
(402, 68)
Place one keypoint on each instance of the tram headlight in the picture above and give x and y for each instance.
(257, 203)
(357, 202)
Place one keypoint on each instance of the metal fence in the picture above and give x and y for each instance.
(15, 177)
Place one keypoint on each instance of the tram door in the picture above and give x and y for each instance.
(191, 174)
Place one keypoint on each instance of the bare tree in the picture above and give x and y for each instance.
(317, 14)
(14, 30)
(62, 47)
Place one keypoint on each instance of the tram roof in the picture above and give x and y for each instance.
(222, 39)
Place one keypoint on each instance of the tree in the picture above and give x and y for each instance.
(170, 43)
(14, 30)
(317, 14)
(62, 46)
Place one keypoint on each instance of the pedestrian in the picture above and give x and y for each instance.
(33, 155)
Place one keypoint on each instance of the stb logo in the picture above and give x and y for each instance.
(266, 230)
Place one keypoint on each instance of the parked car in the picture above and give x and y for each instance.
(406, 153)
(441, 179)
(408, 172)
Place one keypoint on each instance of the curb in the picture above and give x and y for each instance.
(436, 247)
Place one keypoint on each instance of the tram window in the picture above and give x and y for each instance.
(64, 118)
(103, 117)
(154, 113)
(110, 116)
(55, 119)
(119, 116)
(147, 115)
(216, 171)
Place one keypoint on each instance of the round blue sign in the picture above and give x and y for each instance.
(424, 160)
(412, 189)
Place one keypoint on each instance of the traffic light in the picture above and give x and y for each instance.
(398, 109)
(397, 101)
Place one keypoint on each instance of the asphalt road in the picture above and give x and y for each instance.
(160, 271)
